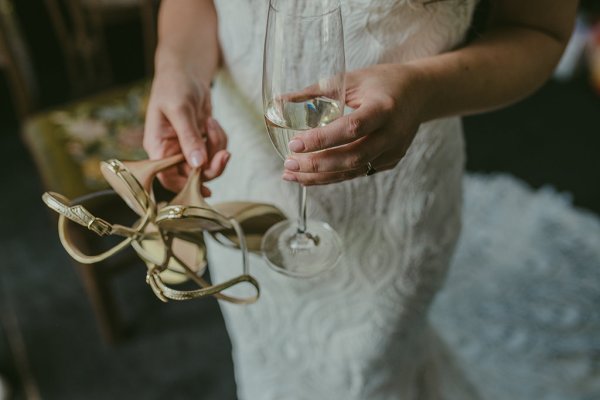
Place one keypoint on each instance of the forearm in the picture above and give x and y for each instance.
(188, 37)
(507, 63)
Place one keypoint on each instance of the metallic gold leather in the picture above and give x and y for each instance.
(168, 222)
(178, 218)
(127, 186)
(76, 213)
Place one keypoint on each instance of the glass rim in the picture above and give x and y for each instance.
(337, 6)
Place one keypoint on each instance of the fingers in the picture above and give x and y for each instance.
(205, 192)
(322, 178)
(160, 141)
(186, 125)
(176, 123)
(157, 132)
(309, 92)
(385, 161)
(217, 138)
(364, 120)
(171, 180)
(166, 142)
(217, 165)
(342, 158)
(217, 154)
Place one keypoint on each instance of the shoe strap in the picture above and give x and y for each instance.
(165, 293)
(77, 213)
(78, 255)
(80, 215)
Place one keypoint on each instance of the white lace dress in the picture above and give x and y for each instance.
(359, 331)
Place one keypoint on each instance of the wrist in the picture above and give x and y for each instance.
(169, 59)
(418, 88)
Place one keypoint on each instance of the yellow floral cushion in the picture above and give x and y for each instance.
(69, 142)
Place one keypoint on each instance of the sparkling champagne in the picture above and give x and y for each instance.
(285, 119)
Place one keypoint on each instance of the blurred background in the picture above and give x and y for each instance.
(74, 78)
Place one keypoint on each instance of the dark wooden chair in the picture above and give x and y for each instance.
(68, 141)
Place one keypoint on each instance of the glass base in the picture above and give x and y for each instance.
(301, 255)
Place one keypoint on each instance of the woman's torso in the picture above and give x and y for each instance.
(398, 226)
(390, 31)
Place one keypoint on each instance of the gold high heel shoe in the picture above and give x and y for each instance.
(169, 238)
(132, 180)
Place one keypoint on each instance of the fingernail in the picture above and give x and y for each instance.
(196, 158)
(226, 158)
(292, 165)
(289, 177)
(296, 145)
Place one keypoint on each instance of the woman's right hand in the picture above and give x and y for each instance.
(178, 120)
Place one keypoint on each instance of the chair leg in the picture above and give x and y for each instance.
(103, 302)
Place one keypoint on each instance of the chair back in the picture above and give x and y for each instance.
(81, 39)
(16, 62)
(78, 27)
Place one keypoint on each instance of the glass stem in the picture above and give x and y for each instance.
(302, 210)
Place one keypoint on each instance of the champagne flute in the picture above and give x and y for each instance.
(303, 88)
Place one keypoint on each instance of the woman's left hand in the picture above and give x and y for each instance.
(387, 103)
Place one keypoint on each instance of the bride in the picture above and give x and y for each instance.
(359, 331)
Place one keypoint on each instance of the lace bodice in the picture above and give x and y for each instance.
(375, 32)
